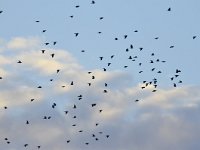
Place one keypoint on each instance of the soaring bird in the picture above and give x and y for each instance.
(101, 58)
(77, 6)
(19, 62)
(54, 43)
(43, 51)
(194, 37)
(125, 36)
(101, 18)
(44, 31)
(52, 55)
(76, 34)
(93, 2)
(93, 105)
(169, 9)
(1, 11)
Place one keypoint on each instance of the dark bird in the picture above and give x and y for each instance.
(101, 18)
(54, 43)
(80, 131)
(66, 112)
(74, 125)
(104, 69)
(1, 11)
(96, 139)
(172, 78)
(112, 56)
(136, 31)
(194, 37)
(49, 117)
(96, 124)
(77, 6)
(99, 32)
(51, 79)
(82, 51)
(8, 142)
(39, 87)
(125, 36)
(176, 75)
(5, 107)
(177, 70)
(76, 34)
(156, 38)
(37, 21)
(151, 61)
(46, 43)
(25, 145)
(93, 135)
(52, 55)
(125, 66)
(74, 106)
(68, 141)
(154, 90)
(19, 62)
(140, 71)
(44, 31)
(93, 105)
(152, 54)
(136, 100)
(107, 136)
(32, 99)
(171, 46)
(58, 70)
(116, 39)
(106, 84)
(153, 69)
(105, 91)
(141, 48)
(101, 58)
(1, 78)
(127, 50)
(45, 117)
(174, 84)
(72, 83)
(109, 64)
(87, 143)
(43, 51)
(131, 46)
(71, 16)
(93, 2)
(159, 72)
(100, 110)
(93, 77)
(38, 146)
(169, 9)
(180, 81)
(89, 84)
(130, 57)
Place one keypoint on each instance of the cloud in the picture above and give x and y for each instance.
(166, 119)
(23, 43)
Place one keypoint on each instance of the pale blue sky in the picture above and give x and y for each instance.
(150, 18)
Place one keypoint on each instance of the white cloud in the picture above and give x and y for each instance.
(167, 119)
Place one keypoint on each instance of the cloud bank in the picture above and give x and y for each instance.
(167, 119)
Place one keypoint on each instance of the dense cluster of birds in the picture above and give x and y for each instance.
(175, 78)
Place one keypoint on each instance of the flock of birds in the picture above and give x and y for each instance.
(175, 79)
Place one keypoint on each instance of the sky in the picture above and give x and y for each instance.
(165, 119)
